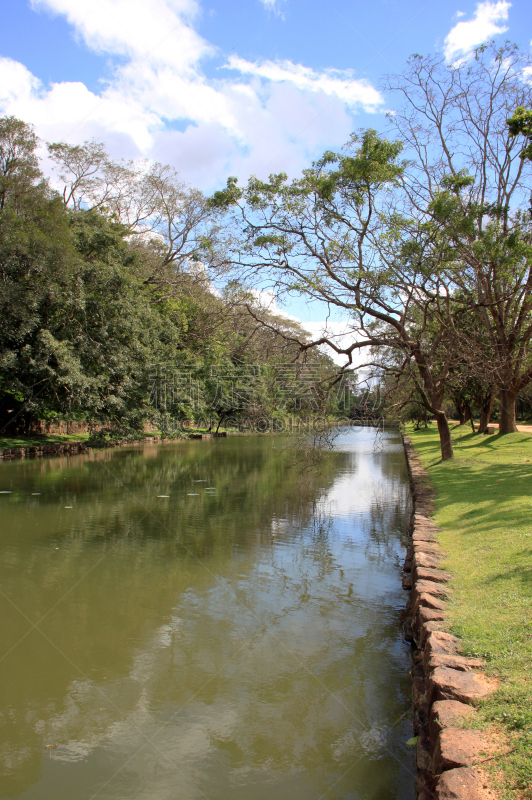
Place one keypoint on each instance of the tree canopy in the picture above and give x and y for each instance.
(108, 288)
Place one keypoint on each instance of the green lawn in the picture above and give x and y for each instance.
(42, 439)
(484, 505)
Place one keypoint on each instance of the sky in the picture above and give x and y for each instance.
(227, 87)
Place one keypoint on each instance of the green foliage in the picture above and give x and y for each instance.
(520, 124)
(90, 309)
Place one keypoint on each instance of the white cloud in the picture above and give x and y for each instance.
(56, 110)
(159, 104)
(486, 23)
(355, 93)
(160, 29)
(272, 5)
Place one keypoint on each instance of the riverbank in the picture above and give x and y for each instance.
(483, 502)
(59, 444)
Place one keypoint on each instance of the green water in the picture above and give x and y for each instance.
(238, 639)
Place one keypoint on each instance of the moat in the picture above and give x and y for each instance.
(206, 620)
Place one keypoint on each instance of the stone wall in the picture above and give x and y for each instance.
(446, 684)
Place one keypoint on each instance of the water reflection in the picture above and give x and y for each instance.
(219, 642)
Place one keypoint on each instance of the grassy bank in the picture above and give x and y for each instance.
(41, 439)
(484, 505)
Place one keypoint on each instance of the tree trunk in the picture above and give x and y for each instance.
(507, 421)
(445, 436)
(485, 414)
(464, 412)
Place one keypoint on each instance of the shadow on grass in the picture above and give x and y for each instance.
(521, 572)
(488, 476)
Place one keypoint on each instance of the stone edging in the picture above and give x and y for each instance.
(446, 685)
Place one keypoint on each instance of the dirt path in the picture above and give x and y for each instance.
(520, 428)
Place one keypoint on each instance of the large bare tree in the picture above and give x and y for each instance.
(468, 179)
(332, 236)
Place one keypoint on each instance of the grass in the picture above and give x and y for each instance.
(41, 439)
(484, 506)
(38, 440)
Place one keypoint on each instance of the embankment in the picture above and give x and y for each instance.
(446, 684)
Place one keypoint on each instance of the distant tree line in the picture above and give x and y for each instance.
(107, 277)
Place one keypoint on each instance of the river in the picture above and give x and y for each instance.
(206, 619)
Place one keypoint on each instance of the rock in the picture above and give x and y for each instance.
(423, 623)
(423, 756)
(428, 560)
(429, 601)
(424, 792)
(417, 671)
(407, 566)
(407, 628)
(428, 548)
(426, 629)
(422, 519)
(432, 588)
(418, 693)
(423, 536)
(439, 642)
(442, 642)
(457, 747)
(426, 574)
(407, 581)
(426, 614)
(454, 662)
(462, 783)
(444, 683)
(446, 714)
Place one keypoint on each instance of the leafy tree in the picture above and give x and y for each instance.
(329, 234)
(170, 220)
(520, 124)
(468, 179)
(110, 280)
(36, 258)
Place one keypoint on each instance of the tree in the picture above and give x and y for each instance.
(330, 235)
(520, 124)
(110, 280)
(168, 221)
(468, 178)
(36, 260)
(19, 168)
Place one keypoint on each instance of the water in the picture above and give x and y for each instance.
(240, 638)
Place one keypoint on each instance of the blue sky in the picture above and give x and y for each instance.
(227, 87)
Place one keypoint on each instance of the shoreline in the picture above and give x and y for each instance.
(48, 449)
(446, 685)
(75, 447)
